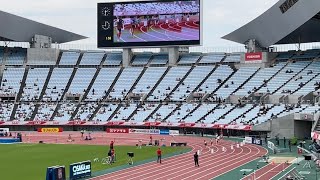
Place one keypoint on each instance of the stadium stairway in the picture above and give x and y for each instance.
(209, 112)
(89, 88)
(106, 95)
(258, 88)
(223, 116)
(36, 108)
(152, 113)
(246, 112)
(67, 86)
(181, 81)
(311, 79)
(136, 82)
(298, 73)
(250, 77)
(22, 85)
(316, 126)
(115, 112)
(59, 58)
(205, 79)
(191, 112)
(172, 112)
(156, 85)
(221, 84)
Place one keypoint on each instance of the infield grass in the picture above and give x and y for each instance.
(29, 161)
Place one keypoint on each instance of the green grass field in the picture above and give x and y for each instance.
(29, 161)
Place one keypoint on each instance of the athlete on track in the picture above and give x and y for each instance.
(119, 26)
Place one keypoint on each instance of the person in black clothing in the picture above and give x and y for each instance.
(284, 142)
(289, 144)
(196, 159)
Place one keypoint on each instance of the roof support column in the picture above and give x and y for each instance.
(126, 57)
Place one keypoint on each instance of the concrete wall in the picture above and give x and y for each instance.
(46, 56)
(283, 127)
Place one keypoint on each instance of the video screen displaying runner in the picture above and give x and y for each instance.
(152, 23)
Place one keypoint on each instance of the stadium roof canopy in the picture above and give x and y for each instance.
(287, 22)
(16, 28)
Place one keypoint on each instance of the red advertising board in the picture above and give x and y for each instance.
(50, 130)
(117, 130)
(253, 56)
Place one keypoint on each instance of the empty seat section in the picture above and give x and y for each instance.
(57, 83)
(105, 112)
(181, 112)
(143, 112)
(217, 77)
(102, 83)
(34, 83)
(16, 56)
(125, 82)
(69, 58)
(235, 81)
(24, 112)
(45, 111)
(233, 58)
(217, 113)
(141, 59)
(65, 111)
(81, 80)
(11, 80)
(171, 80)
(162, 112)
(160, 59)
(85, 111)
(199, 113)
(113, 59)
(283, 76)
(301, 79)
(212, 58)
(149, 79)
(124, 112)
(92, 58)
(191, 82)
(258, 80)
(189, 58)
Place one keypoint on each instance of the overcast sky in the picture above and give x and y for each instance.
(219, 17)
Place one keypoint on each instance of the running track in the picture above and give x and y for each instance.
(179, 167)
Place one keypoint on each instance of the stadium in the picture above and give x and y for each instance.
(118, 113)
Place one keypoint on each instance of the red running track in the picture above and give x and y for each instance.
(176, 168)
(267, 172)
(182, 166)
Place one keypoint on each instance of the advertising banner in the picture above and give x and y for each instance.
(253, 57)
(174, 132)
(164, 131)
(50, 130)
(256, 141)
(118, 130)
(144, 131)
(80, 170)
(248, 140)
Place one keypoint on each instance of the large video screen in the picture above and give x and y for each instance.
(149, 23)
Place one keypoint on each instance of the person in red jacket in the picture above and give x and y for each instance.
(159, 155)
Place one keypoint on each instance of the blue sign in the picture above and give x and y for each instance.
(164, 131)
(256, 141)
(80, 170)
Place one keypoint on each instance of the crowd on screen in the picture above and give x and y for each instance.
(156, 8)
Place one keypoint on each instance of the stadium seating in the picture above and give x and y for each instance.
(80, 89)
(92, 58)
(69, 58)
